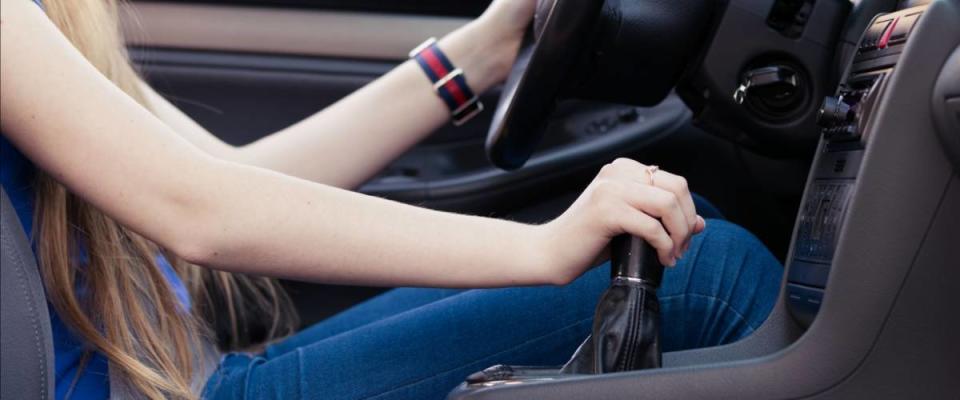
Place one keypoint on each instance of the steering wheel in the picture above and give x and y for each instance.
(530, 92)
(624, 51)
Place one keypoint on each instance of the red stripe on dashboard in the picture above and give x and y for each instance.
(886, 34)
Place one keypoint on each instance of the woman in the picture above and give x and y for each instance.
(143, 222)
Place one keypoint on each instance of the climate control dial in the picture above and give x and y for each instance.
(834, 112)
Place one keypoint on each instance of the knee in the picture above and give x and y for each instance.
(724, 257)
(728, 269)
(727, 241)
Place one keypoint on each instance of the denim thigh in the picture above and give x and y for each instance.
(419, 343)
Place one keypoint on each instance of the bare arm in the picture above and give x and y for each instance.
(75, 124)
(379, 121)
(71, 121)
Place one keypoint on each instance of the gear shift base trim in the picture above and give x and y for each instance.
(626, 325)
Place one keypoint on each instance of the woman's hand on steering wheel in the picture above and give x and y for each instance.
(510, 16)
(625, 197)
(487, 48)
(506, 21)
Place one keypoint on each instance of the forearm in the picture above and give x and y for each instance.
(261, 222)
(352, 140)
(92, 137)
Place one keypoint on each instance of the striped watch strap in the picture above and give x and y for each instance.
(448, 81)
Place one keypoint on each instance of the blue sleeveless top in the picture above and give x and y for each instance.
(16, 176)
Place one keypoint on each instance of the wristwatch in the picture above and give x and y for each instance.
(448, 82)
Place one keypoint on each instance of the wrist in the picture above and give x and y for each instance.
(484, 57)
(545, 258)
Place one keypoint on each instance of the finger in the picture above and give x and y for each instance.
(644, 226)
(627, 166)
(664, 205)
(698, 229)
(678, 186)
(636, 171)
(680, 229)
(630, 169)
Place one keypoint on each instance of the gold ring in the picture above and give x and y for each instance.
(652, 171)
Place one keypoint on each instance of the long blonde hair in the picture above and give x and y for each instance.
(103, 279)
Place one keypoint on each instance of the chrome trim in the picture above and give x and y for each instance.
(451, 76)
(423, 46)
(634, 280)
(459, 121)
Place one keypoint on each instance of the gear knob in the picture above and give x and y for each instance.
(632, 258)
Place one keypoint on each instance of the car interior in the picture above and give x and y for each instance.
(830, 129)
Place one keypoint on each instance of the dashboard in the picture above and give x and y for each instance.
(844, 119)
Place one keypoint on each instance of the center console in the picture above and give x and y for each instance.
(844, 120)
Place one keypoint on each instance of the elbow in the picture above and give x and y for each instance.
(203, 246)
(192, 222)
(201, 236)
(193, 250)
(203, 216)
(191, 244)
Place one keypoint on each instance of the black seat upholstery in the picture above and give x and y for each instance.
(26, 361)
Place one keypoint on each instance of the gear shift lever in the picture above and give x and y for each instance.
(626, 326)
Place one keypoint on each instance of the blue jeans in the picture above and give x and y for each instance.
(420, 343)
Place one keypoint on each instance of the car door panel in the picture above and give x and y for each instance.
(241, 98)
(459, 8)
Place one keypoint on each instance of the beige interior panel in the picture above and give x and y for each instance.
(282, 31)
